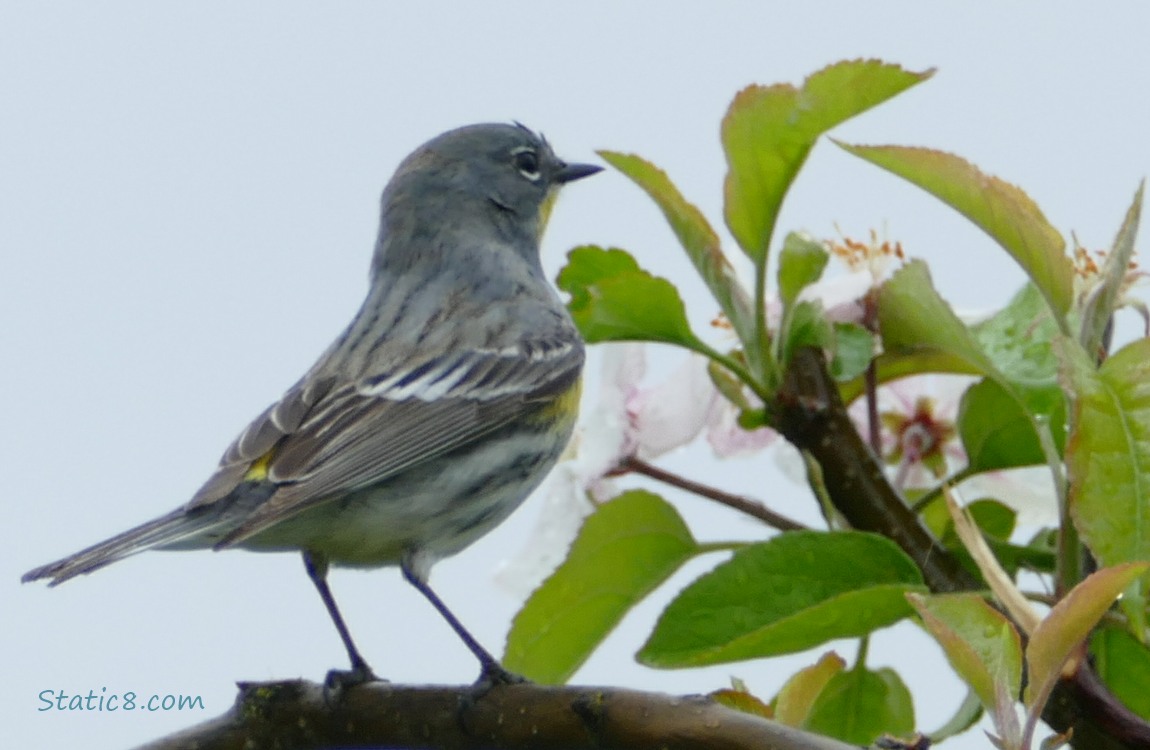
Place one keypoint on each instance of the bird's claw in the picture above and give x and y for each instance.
(339, 681)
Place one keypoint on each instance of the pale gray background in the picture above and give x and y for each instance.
(187, 207)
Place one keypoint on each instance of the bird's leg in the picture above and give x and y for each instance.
(491, 671)
(316, 566)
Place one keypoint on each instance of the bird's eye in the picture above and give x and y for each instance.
(527, 162)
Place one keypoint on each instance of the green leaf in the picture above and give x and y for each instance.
(994, 519)
(695, 235)
(1108, 456)
(980, 643)
(741, 700)
(1045, 540)
(998, 417)
(625, 549)
(1019, 340)
(798, 696)
(801, 263)
(901, 364)
(769, 130)
(1058, 635)
(612, 299)
(1068, 624)
(860, 706)
(1124, 665)
(997, 432)
(728, 385)
(912, 316)
(1013, 557)
(805, 325)
(792, 593)
(854, 349)
(1033, 556)
(966, 716)
(1000, 209)
(753, 419)
(1105, 297)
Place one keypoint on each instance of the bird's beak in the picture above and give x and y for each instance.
(571, 172)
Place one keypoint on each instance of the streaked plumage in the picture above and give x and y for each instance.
(440, 407)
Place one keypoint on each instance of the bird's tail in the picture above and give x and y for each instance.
(171, 529)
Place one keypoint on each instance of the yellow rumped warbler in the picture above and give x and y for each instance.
(435, 413)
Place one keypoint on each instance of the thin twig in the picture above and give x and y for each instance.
(874, 423)
(936, 492)
(738, 502)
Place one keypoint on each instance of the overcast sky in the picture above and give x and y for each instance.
(187, 207)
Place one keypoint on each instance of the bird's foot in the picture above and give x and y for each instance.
(491, 675)
(340, 680)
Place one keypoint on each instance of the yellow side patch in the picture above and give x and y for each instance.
(563, 407)
(258, 471)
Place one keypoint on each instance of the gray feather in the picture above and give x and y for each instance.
(168, 529)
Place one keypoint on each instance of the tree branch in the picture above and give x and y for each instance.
(296, 714)
(810, 413)
(738, 502)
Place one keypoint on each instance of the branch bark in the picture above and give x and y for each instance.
(810, 414)
(297, 714)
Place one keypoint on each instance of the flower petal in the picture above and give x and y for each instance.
(674, 412)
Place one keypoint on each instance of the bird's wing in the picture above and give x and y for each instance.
(325, 439)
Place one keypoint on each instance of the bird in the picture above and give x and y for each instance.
(432, 416)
